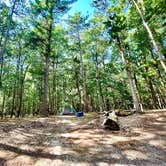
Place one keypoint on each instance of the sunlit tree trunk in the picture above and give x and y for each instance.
(161, 57)
(85, 97)
(44, 109)
(137, 89)
(131, 83)
(54, 88)
(100, 96)
(78, 86)
(3, 104)
(13, 102)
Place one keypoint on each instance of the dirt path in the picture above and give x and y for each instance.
(72, 141)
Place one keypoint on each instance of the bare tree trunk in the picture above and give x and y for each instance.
(86, 100)
(161, 57)
(132, 86)
(3, 104)
(44, 109)
(54, 88)
(78, 87)
(13, 102)
(64, 90)
(21, 91)
(139, 95)
(105, 99)
(1, 64)
(100, 96)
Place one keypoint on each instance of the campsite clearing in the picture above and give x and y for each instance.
(64, 141)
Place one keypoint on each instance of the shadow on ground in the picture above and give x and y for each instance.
(72, 141)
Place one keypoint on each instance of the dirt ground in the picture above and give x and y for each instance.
(72, 141)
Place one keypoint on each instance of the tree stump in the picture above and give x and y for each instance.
(111, 122)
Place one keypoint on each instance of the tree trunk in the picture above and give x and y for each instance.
(13, 103)
(44, 110)
(21, 91)
(78, 87)
(131, 83)
(54, 88)
(3, 104)
(64, 90)
(86, 100)
(1, 64)
(83, 74)
(100, 96)
(16, 88)
(139, 95)
(161, 57)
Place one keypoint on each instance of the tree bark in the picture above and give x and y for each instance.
(3, 104)
(131, 83)
(78, 87)
(139, 94)
(54, 88)
(44, 109)
(100, 96)
(21, 91)
(13, 102)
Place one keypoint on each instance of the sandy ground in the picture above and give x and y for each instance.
(72, 141)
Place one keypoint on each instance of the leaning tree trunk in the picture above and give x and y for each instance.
(161, 57)
(132, 86)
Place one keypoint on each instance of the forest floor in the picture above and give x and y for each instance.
(72, 141)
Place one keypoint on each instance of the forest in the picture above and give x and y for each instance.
(112, 58)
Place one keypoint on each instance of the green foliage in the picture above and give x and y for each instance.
(83, 56)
